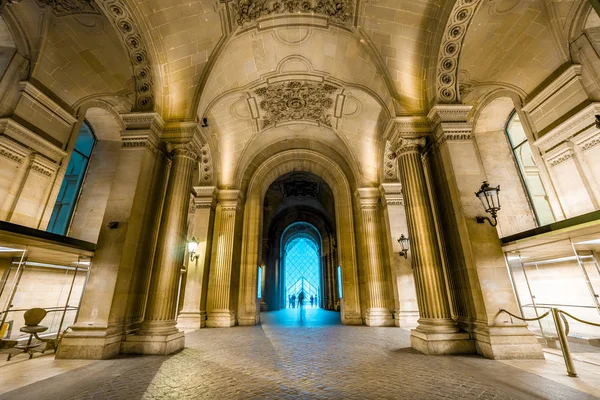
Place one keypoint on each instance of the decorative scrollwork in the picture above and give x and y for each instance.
(295, 101)
(390, 165)
(456, 28)
(248, 11)
(68, 7)
(206, 166)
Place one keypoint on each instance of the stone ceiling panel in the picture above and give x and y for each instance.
(510, 46)
(82, 57)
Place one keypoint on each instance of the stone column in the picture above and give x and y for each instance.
(476, 268)
(224, 275)
(437, 332)
(158, 333)
(193, 312)
(377, 297)
(406, 311)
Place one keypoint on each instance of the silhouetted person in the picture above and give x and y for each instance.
(293, 301)
(301, 299)
(312, 300)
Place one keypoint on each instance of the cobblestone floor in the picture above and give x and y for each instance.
(297, 356)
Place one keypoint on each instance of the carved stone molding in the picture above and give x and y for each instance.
(205, 197)
(391, 194)
(580, 128)
(69, 7)
(31, 140)
(35, 95)
(230, 200)
(367, 198)
(452, 41)
(12, 151)
(560, 154)
(247, 12)
(296, 101)
(134, 142)
(119, 14)
(42, 166)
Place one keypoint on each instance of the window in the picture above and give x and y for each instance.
(302, 265)
(71, 185)
(530, 173)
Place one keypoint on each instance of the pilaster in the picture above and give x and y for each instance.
(193, 312)
(406, 310)
(224, 272)
(376, 289)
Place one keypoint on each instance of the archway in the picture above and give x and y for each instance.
(277, 166)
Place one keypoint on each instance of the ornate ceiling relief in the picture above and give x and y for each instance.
(390, 165)
(119, 14)
(296, 101)
(456, 28)
(68, 7)
(206, 167)
(247, 12)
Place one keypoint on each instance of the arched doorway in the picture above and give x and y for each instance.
(301, 266)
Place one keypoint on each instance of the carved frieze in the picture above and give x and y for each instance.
(247, 12)
(390, 165)
(296, 101)
(206, 166)
(68, 7)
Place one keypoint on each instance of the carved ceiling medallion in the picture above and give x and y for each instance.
(296, 101)
(68, 7)
(248, 11)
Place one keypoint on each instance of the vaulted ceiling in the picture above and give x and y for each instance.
(262, 72)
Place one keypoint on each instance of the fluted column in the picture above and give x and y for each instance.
(159, 318)
(433, 302)
(377, 298)
(223, 278)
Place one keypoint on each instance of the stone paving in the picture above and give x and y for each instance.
(296, 355)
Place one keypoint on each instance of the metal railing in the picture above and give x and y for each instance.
(562, 330)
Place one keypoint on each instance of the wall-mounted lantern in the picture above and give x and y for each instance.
(488, 196)
(192, 246)
(404, 245)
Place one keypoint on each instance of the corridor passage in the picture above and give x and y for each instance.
(296, 354)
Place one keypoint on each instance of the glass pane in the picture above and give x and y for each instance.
(71, 184)
(533, 183)
(85, 140)
(515, 131)
(302, 270)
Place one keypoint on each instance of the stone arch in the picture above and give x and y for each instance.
(269, 170)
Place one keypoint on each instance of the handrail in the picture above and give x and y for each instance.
(48, 309)
(559, 317)
(550, 305)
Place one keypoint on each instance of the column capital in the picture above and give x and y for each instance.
(205, 196)
(391, 194)
(367, 197)
(188, 149)
(230, 200)
(408, 144)
(143, 123)
(450, 122)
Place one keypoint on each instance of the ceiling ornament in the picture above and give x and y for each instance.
(118, 13)
(454, 34)
(247, 12)
(296, 101)
(69, 7)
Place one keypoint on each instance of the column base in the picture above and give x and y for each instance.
(220, 319)
(379, 317)
(406, 319)
(442, 343)
(90, 343)
(191, 320)
(507, 342)
(153, 345)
